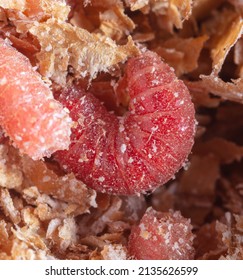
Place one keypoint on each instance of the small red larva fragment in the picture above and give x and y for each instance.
(161, 236)
(145, 147)
(36, 123)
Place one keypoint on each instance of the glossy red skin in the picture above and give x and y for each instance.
(161, 236)
(141, 150)
(36, 123)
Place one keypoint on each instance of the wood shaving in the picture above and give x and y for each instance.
(169, 13)
(66, 187)
(8, 206)
(228, 91)
(87, 53)
(201, 8)
(231, 26)
(13, 4)
(10, 174)
(57, 8)
(182, 54)
(173, 12)
(114, 252)
(226, 151)
(231, 237)
(115, 24)
(137, 4)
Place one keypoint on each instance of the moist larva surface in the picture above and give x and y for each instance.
(142, 149)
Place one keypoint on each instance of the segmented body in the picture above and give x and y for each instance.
(35, 122)
(140, 150)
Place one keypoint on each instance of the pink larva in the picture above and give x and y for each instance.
(142, 149)
(36, 123)
(161, 236)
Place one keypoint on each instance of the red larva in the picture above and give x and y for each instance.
(161, 236)
(142, 149)
(36, 123)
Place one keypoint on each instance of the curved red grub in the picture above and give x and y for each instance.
(142, 149)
